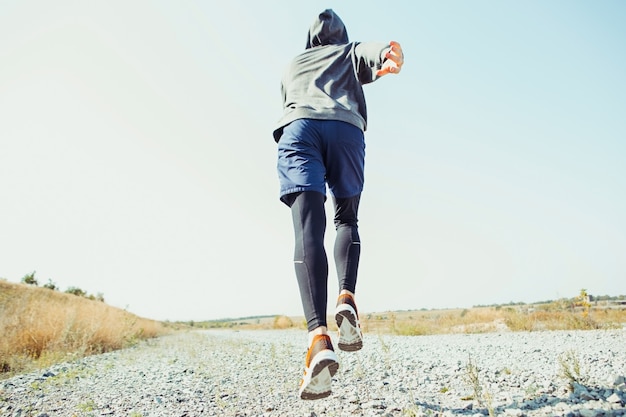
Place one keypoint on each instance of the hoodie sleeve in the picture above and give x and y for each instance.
(368, 58)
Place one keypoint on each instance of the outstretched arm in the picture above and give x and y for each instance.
(394, 62)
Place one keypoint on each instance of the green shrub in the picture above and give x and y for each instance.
(76, 291)
(50, 285)
(30, 279)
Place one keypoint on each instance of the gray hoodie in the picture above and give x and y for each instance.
(324, 82)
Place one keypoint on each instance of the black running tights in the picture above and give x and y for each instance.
(311, 263)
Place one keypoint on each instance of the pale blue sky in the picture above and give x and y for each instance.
(136, 156)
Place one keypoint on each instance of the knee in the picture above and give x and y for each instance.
(346, 211)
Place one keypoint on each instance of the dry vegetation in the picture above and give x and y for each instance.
(566, 314)
(40, 326)
(492, 319)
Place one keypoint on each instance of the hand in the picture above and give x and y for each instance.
(394, 62)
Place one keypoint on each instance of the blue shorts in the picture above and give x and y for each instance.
(313, 153)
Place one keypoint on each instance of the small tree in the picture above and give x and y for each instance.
(30, 279)
(583, 301)
(50, 285)
(76, 291)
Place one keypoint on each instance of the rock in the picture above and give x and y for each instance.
(561, 406)
(586, 396)
(614, 398)
(353, 399)
(376, 404)
(585, 412)
(580, 391)
(578, 388)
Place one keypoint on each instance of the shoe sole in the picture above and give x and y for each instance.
(350, 338)
(318, 384)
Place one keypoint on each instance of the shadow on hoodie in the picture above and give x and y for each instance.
(328, 29)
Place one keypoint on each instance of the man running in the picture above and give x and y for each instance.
(321, 142)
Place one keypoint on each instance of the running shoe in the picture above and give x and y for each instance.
(320, 366)
(347, 317)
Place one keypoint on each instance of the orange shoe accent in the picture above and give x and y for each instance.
(321, 365)
(319, 343)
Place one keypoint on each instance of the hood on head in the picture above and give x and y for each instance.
(327, 29)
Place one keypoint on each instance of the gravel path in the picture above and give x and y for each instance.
(256, 373)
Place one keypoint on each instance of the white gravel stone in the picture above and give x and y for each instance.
(256, 373)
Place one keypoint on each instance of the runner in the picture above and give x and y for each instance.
(321, 142)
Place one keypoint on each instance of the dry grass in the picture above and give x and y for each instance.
(553, 316)
(40, 326)
(490, 319)
(475, 320)
(282, 322)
